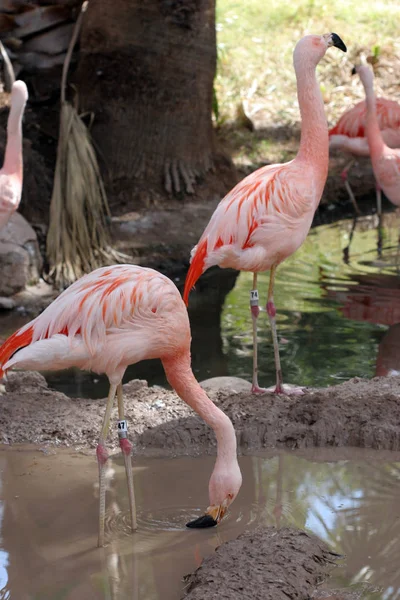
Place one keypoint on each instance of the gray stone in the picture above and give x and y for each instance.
(233, 384)
(20, 260)
(6, 303)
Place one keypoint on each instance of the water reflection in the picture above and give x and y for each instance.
(375, 298)
(321, 344)
(347, 497)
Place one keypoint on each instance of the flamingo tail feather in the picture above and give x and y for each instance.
(14, 343)
(195, 270)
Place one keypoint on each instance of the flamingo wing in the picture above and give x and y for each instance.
(108, 300)
(256, 216)
(352, 122)
(10, 196)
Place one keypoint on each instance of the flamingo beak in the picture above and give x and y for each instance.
(338, 42)
(212, 517)
(354, 70)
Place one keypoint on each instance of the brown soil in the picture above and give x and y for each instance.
(358, 413)
(261, 565)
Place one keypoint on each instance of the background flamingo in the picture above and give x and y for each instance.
(11, 173)
(107, 320)
(349, 135)
(267, 216)
(385, 160)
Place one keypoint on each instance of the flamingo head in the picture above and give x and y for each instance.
(19, 92)
(365, 74)
(223, 488)
(313, 47)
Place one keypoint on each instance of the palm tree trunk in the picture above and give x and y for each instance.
(146, 70)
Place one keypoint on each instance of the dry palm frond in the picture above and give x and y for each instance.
(77, 241)
(9, 75)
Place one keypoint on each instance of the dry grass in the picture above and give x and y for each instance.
(255, 45)
(77, 240)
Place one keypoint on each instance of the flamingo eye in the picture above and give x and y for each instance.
(153, 310)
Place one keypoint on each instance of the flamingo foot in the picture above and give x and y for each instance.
(286, 390)
(255, 389)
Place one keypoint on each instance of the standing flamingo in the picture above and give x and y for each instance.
(11, 173)
(385, 160)
(112, 318)
(267, 216)
(349, 135)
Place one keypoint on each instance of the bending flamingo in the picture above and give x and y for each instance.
(267, 216)
(385, 160)
(349, 135)
(112, 318)
(11, 173)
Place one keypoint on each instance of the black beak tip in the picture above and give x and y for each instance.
(353, 71)
(338, 42)
(202, 522)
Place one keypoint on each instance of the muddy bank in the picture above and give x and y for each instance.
(263, 564)
(358, 413)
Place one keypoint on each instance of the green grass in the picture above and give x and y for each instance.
(255, 44)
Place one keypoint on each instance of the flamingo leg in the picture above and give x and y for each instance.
(126, 448)
(271, 310)
(378, 199)
(255, 311)
(102, 456)
(344, 175)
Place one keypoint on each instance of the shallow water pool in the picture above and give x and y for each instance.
(48, 520)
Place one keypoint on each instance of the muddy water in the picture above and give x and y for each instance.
(49, 508)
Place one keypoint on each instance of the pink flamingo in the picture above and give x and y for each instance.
(11, 173)
(112, 318)
(385, 160)
(267, 216)
(349, 135)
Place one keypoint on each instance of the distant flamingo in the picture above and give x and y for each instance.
(385, 160)
(349, 135)
(267, 216)
(112, 318)
(11, 173)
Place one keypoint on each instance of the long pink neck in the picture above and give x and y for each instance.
(374, 136)
(13, 154)
(314, 143)
(181, 378)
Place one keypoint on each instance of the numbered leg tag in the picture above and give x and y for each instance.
(122, 428)
(254, 298)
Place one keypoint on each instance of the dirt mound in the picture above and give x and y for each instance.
(261, 565)
(358, 413)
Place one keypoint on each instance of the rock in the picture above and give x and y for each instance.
(6, 303)
(20, 260)
(265, 564)
(233, 384)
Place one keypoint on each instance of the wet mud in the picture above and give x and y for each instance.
(265, 564)
(358, 413)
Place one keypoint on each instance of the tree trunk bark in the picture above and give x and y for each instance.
(146, 70)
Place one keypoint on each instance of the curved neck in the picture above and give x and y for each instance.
(13, 153)
(181, 378)
(314, 143)
(374, 136)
